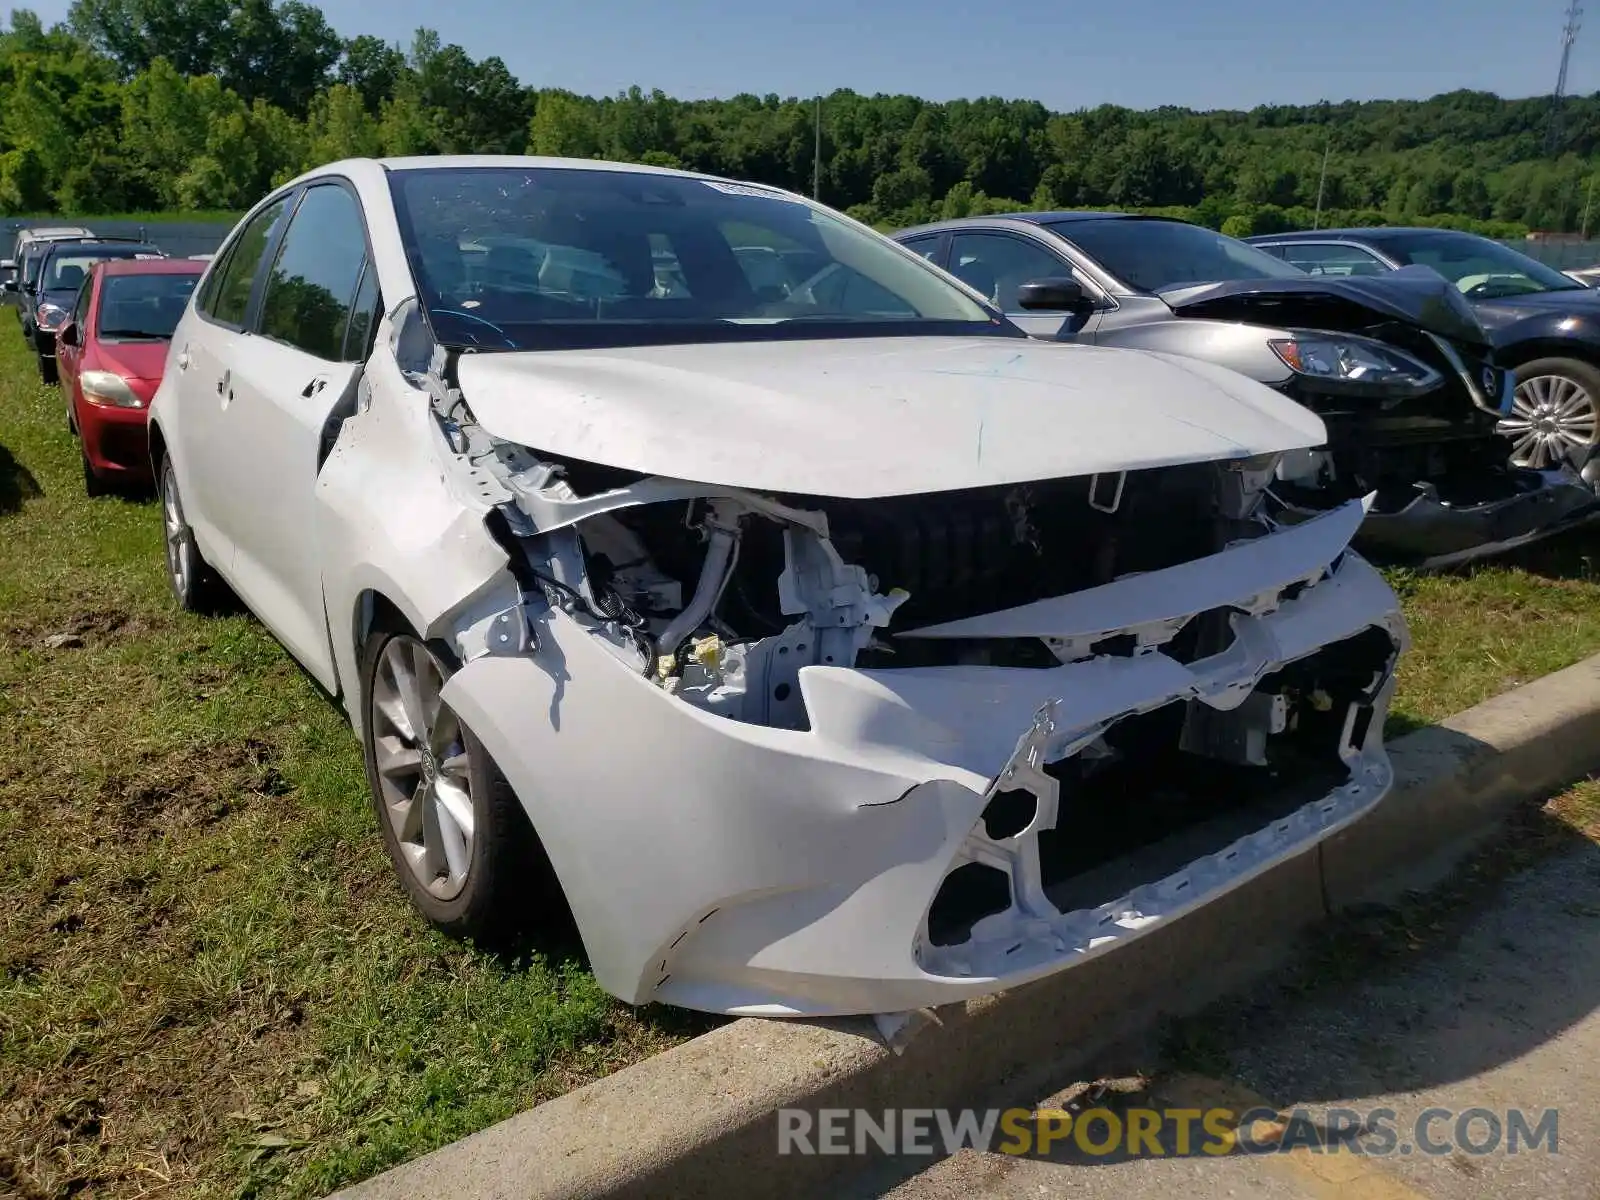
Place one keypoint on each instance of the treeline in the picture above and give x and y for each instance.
(142, 105)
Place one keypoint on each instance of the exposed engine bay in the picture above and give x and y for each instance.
(1217, 720)
(723, 598)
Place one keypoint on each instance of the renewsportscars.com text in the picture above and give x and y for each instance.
(1174, 1132)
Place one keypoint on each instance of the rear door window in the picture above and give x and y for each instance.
(228, 299)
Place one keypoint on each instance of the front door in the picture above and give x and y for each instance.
(289, 376)
(997, 264)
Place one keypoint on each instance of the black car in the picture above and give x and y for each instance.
(1545, 325)
(48, 299)
(1399, 368)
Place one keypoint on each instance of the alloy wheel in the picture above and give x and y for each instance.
(422, 766)
(1552, 417)
(180, 564)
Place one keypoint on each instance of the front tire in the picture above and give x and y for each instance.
(454, 830)
(194, 585)
(47, 369)
(1553, 418)
(93, 485)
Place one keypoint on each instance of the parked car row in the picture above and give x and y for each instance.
(990, 605)
(1545, 324)
(99, 314)
(1431, 399)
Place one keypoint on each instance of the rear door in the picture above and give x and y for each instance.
(206, 344)
(293, 378)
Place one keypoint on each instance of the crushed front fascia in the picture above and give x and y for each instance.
(1016, 940)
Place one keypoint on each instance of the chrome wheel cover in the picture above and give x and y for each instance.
(180, 563)
(1552, 418)
(424, 788)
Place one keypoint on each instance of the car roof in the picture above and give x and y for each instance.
(457, 161)
(111, 248)
(1375, 233)
(1036, 218)
(150, 266)
(50, 232)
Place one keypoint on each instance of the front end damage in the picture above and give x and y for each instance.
(799, 756)
(1433, 455)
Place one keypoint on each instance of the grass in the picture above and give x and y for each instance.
(1481, 632)
(209, 981)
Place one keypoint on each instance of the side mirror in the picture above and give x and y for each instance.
(10, 285)
(1053, 295)
(68, 335)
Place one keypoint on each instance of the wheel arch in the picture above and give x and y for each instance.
(1517, 353)
(158, 449)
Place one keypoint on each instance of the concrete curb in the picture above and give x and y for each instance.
(697, 1121)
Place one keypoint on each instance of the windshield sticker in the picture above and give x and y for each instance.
(744, 189)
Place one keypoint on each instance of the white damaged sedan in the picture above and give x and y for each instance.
(691, 554)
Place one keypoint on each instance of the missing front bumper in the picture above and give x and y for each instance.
(741, 868)
(1035, 897)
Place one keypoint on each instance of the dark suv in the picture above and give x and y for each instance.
(48, 300)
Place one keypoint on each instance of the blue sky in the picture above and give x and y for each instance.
(1066, 53)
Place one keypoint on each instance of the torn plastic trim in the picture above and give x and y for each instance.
(1429, 534)
(1248, 575)
(1028, 941)
(967, 716)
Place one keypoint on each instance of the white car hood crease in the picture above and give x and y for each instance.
(871, 417)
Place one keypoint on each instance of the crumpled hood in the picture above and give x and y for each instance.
(1419, 295)
(869, 417)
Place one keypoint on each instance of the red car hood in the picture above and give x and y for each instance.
(131, 360)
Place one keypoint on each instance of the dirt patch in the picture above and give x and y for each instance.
(186, 788)
(134, 1037)
(93, 626)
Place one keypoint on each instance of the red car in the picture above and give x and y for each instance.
(111, 353)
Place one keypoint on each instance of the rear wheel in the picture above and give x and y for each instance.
(454, 829)
(194, 584)
(1554, 413)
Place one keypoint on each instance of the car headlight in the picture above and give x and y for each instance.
(49, 316)
(107, 388)
(1347, 363)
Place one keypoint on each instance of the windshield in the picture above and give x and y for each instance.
(143, 307)
(66, 270)
(1156, 256)
(1481, 268)
(542, 258)
(32, 259)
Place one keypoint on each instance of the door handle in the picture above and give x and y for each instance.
(315, 386)
(183, 359)
(222, 384)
